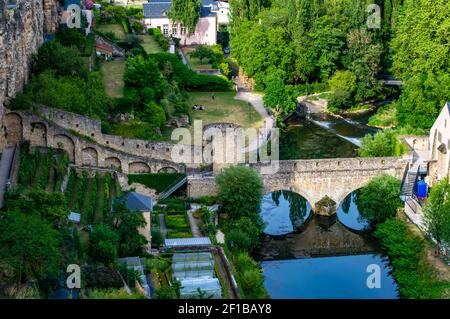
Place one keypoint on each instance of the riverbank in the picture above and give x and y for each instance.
(416, 275)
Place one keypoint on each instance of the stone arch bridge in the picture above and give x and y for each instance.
(83, 151)
(317, 178)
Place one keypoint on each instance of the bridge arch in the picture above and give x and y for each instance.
(89, 157)
(113, 162)
(65, 143)
(138, 167)
(300, 192)
(13, 128)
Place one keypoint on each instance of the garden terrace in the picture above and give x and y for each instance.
(91, 193)
(42, 168)
(112, 75)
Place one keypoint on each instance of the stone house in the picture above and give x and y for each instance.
(212, 15)
(440, 146)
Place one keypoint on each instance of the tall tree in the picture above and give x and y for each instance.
(29, 247)
(436, 212)
(186, 12)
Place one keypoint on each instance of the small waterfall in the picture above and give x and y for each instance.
(328, 125)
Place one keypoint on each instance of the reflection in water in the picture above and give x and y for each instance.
(283, 212)
(348, 213)
(328, 277)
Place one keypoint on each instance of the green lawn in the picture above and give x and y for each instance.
(116, 28)
(150, 45)
(112, 74)
(224, 108)
(195, 63)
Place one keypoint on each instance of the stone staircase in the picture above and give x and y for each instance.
(407, 190)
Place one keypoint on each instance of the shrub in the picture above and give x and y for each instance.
(103, 244)
(380, 199)
(383, 143)
(95, 276)
(237, 241)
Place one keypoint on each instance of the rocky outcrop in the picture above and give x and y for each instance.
(22, 30)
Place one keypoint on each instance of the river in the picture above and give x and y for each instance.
(307, 256)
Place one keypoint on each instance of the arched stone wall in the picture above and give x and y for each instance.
(89, 157)
(167, 169)
(14, 128)
(113, 162)
(66, 143)
(38, 134)
(138, 167)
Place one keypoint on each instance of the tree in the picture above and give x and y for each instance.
(186, 12)
(202, 52)
(64, 61)
(421, 41)
(157, 238)
(240, 191)
(380, 199)
(127, 224)
(29, 247)
(252, 227)
(340, 100)
(103, 244)
(383, 143)
(48, 206)
(277, 97)
(343, 80)
(154, 114)
(422, 98)
(237, 240)
(436, 211)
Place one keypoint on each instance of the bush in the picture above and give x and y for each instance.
(103, 244)
(237, 241)
(383, 143)
(340, 100)
(380, 199)
(100, 277)
(412, 272)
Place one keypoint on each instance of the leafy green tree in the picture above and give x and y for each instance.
(186, 12)
(380, 199)
(157, 238)
(277, 97)
(64, 61)
(436, 211)
(252, 227)
(154, 114)
(240, 191)
(340, 100)
(421, 41)
(237, 240)
(383, 143)
(127, 224)
(343, 80)
(103, 244)
(29, 247)
(203, 52)
(48, 206)
(422, 98)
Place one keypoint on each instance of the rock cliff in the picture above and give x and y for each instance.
(23, 25)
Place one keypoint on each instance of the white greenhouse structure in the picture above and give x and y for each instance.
(195, 271)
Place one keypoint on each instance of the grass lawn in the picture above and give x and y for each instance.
(224, 108)
(150, 45)
(195, 63)
(112, 75)
(116, 28)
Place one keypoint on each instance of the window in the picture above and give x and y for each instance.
(439, 137)
(183, 29)
(166, 29)
(174, 29)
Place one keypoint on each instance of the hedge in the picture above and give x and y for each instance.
(189, 79)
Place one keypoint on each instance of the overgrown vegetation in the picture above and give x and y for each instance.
(383, 144)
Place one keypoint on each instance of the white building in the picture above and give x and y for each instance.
(440, 146)
(212, 14)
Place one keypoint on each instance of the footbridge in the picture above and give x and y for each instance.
(316, 178)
